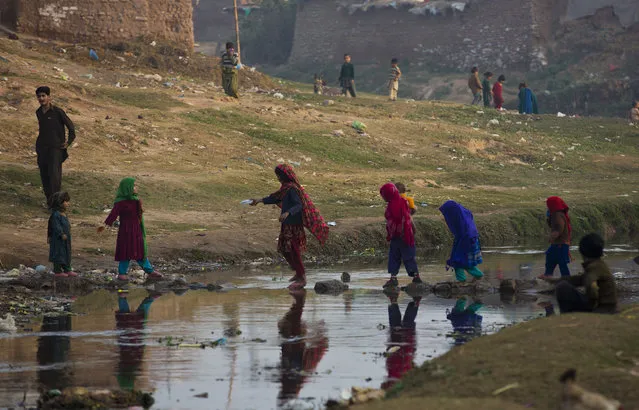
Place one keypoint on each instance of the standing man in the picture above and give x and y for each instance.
(475, 85)
(52, 143)
(230, 62)
(347, 77)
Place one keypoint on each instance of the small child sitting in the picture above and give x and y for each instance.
(601, 290)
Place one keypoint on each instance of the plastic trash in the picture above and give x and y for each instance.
(358, 125)
(561, 114)
(93, 55)
(41, 269)
(246, 202)
(239, 66)
(332, 224)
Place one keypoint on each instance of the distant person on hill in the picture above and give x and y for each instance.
(527, 100)
(487, 89)
(230, 61)
(634, 112)
(466, 254)
(297, 212)
(475, 85)
(131, 243)
(402, 192)
(498, 92)
(393, 80)
(559, 222)
(400, 235)
(347, 77)
(52, 143)
(601, 290)
(59, 235)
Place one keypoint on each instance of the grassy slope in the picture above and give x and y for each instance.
(197, 155)
(602, 348)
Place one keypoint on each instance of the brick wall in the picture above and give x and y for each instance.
(494, 34)
(108, 21)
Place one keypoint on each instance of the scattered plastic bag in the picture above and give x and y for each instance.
(358, 125)
(93, 55)
(561, 114)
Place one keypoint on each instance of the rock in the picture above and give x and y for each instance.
(332, 287)
(8, 324)
(493, 122)
(213, 287)
(338, 133)
(41, 269)
(346, 277)
(154, 77)
(279, 96)
(329, 102)
(449, 289)
(417, 289)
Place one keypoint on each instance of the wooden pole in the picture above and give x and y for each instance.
(237, 31)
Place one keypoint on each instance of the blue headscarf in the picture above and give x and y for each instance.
(460, 220)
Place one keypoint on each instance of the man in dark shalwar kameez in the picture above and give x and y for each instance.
(52, 142)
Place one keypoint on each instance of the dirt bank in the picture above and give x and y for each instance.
(534, 354)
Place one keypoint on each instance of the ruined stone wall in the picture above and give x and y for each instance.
(494, 34)
(108, 21)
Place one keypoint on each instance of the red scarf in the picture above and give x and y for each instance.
(556, 204)
(398, 219)
(311, 217)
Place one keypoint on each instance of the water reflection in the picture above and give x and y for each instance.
(55, 371)
(302, 349)
(131, 327)
(465, 320)
(401, 347)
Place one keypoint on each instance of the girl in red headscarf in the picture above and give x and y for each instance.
(298, 212)
(560, 231)
(399, 229)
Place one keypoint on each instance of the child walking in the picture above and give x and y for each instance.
(560, 231)
(498, 92)
(466, 253)
(400, 235)
(393, 80)
(298, 212)
(59, 235)
(487, 89)
(131, 243)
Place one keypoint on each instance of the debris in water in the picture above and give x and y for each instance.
(232, 332)
(202, 396)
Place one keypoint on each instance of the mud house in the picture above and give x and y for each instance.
(101, 21)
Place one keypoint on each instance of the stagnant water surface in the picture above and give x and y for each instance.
(294, 351)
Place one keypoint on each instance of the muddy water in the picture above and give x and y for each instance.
(294, 351)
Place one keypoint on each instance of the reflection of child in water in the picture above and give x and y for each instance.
(465, 320)
(131, 339)
(53, 352)
(300, 354)
(402, 335)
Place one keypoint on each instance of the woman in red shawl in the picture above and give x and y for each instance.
(498, 89)
(298, 212)
(399, 229)
(559, 251)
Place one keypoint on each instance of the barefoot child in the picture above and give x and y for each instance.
(131, 243)
(466, 253)
(298, 211)
(59, 235)
(559, 251)
(400, 235)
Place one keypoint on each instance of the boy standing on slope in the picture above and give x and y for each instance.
(347, 77)
(393, 80)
